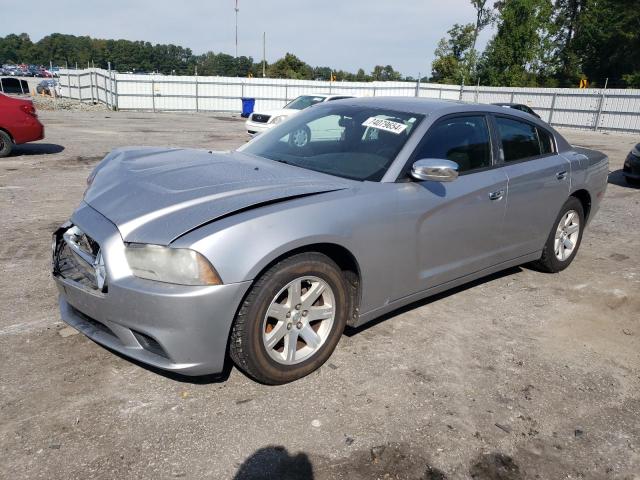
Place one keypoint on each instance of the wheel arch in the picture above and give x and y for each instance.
(585, 199)
(345, 260)
(8, 133)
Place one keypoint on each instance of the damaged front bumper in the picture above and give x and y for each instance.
(183, 329)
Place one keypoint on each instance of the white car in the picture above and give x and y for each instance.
(258, 122)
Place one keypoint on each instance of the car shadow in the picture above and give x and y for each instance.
(351, 331)
(36, 149)
(617, 178)
(275, 462)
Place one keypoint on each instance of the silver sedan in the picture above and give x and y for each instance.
(182, 259)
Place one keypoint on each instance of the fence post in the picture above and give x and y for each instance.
(374, 90)
(106, 97)
(418, 87)
(286, 93)
(602, 97)
(512, 95)
(79, 87)
(115, 91)
(197, 103)
(110, 85)
(553, 106)
(440, 92)
(69, 83)
(153, 95)
(91, 82)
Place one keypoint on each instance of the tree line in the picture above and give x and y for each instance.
(549, 43)
(138, 56)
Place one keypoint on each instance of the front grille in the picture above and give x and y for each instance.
(259, 118)
(76, 257)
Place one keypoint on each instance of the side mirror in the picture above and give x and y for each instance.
(435, 170)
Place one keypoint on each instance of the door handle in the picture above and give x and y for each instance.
(561, 175)
(497, 195)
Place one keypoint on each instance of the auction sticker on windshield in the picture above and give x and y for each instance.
(386, 125)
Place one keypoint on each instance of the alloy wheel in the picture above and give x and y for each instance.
(567, 235)
(299, 320)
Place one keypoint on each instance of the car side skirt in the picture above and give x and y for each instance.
(374, 314)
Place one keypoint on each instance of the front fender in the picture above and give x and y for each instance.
(243, 245)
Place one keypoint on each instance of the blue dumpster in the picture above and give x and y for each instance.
(247, 106)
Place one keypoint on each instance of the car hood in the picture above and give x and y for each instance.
(157, 195)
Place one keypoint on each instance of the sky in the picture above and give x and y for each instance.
(343, 34)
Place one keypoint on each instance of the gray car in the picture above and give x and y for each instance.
(176, 257)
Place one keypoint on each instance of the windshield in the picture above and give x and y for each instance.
(348, 141)
(305, 101)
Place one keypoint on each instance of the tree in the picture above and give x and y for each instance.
(290, 67)
(385, 73)
(521, 50)
(568, 16)
(607, 43)
(454, 57)
(484, 16)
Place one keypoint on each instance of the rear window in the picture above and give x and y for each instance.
(519, 139)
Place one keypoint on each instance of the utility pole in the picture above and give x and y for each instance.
(237, 10)
(264, 54)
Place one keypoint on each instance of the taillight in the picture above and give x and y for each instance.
(29, 110)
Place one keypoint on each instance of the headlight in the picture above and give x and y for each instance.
(278, 119)
(636, 151)
(171, 265)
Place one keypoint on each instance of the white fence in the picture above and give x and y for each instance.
(597, 109)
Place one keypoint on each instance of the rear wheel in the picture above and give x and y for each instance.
(6, 144)
(291, 319)
(565, 237)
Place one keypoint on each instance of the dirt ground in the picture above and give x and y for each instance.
(522, 375)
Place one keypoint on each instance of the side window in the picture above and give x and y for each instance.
(519, 139)
(464, 140)
(546, 142)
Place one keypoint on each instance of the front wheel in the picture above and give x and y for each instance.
(291, 319)
(565, 237)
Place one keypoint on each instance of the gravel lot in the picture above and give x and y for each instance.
(522, 375)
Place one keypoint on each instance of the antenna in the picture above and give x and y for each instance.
(237, 10)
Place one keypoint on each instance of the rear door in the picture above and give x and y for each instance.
(538, 183)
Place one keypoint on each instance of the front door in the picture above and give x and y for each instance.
(452, 229)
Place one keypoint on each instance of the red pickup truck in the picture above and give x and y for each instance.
(18, 123)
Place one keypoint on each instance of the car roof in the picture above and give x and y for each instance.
(428, 106)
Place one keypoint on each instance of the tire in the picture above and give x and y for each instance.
(632, 181)
(552, 259)
(253, 327)
(300, 137)
(6, 144)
